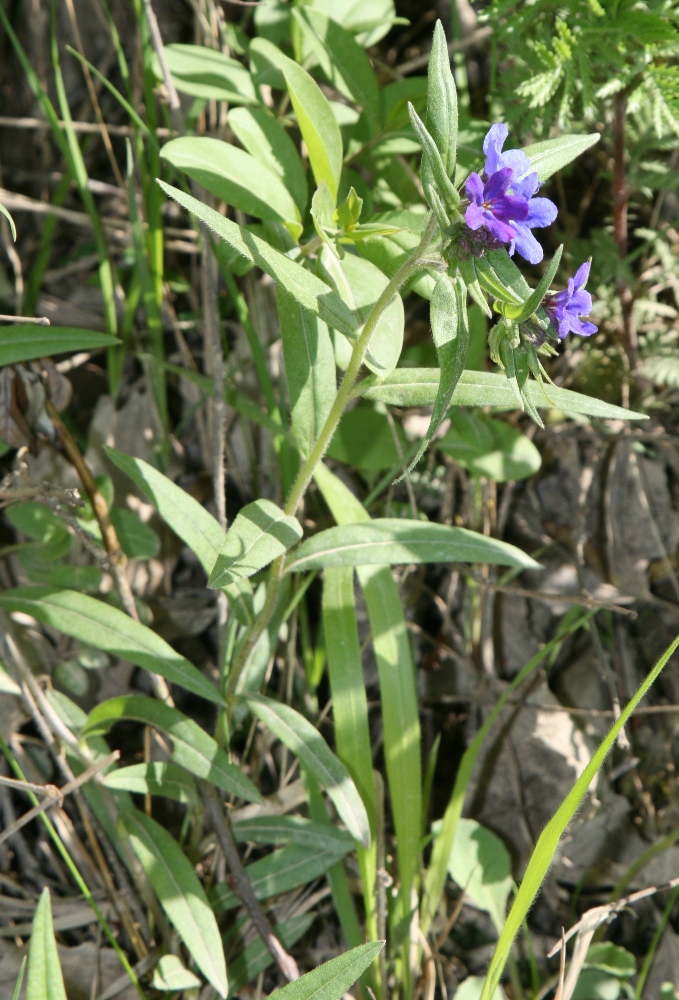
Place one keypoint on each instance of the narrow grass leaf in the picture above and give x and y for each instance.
(105, 627)
(292, 830)
(551, 155)
(419, 387)
(281, 871)
(24, 342)
(157, 778)
(45, 981)
(317, 124)
(256, 957)
(193, 748)
(331, 980)
(181, 895)
(392, 540)
(548, 840)
(306, 288)
(307, 744)
(260, 533)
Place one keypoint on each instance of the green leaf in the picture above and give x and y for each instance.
(170, 974)
(208, 73)
(488, 447)
(25, 341)
(158, 778)
(394, 540)
(441, 184)
(472, 988)
(260, 533)
(612, 959)
(311, 293)
(180, 893)
(37, 521)
(266, 139)
(548, 840)
(236, 177)
(292, 830)
(256, 957)
(16, 992)
(196, 527)
(281, 871)
(317, 124)
(45, 981)
(419, 387)
(137, 540)
(550, 156)
(3, 211)
(359, 284)
(341, 59)
(331, 980)
(480, 864)
(307, 744)
(107, 628)
(366, 440)
(521, 313)
(309, 369)
(450, 331)
(266, 62)
(441, 105)
(192, 749)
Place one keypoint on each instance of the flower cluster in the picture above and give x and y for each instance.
(565, 308)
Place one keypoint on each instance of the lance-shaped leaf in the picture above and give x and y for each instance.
(156, 778)
(235, 177)
(265, 138)
(105, 627)
(450, 330)
(441, 106)
(45, 981)
(393, 540)
(317, 124)
(196, 527)
(419, 387)
(193, 748)
(26, 341)
(208, 73)
(548, 157)
(441, 181)
(180, 893)
(260, 533)
(292, 830)
(467, 269)
(306, 288)
(519, 313)
(307, 744)
(331, 980)
(256, 957)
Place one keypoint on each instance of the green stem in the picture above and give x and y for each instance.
(306, 471)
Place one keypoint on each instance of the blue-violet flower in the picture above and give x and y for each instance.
(565, 308)
(503, 199)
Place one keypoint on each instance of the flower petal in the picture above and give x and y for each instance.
(500, 230)
(509, 208)
(474, 188)
(526, 243)
(580, 303)
(541, 212)
(492, 147)
(526, 181)
(581, 275)
(497, 184)
(585, 329)
(475, 217)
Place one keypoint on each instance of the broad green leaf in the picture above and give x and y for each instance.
(317, 124)
(192, 747)
(331, 980)
(419, 387)
(137, 540)
(105, 627)
(256, 957)
(170, 974)
(450, 332)
(292, 830)
(266, 61)
(236, 177)
(157, 778)
(441, 105)
(260, 533)
(400, 713)
(394, 540)
(25, 341)
(480, 864)
(550, 156)
(307, 744)
(37, 521)
(368, 20)
(548, 840)
(489, 447)
(281, 871)
(311, 293)
(388, 253)
(472, 987)
(359, 284)
(196, 527)
(341, 59)
(208, 73)
(611, 958)
(266, 139)
(365, 439)
(309, 369)
(350, 711)
(180, 893)
(45, 981)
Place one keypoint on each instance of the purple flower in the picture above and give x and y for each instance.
(492, 203)
(565, 308)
